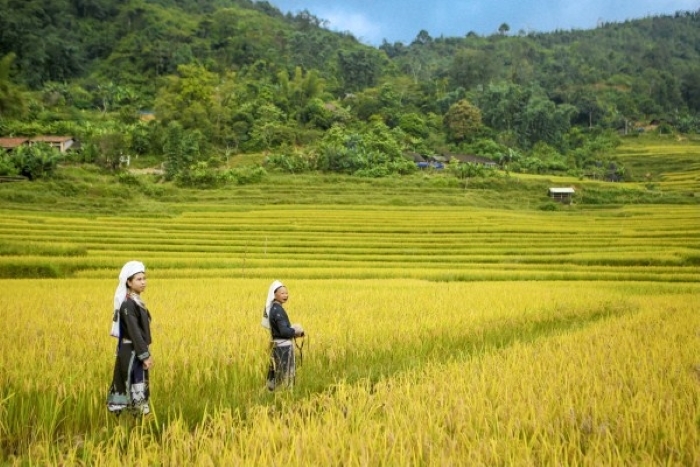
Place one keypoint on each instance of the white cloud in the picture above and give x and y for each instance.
(358, 24)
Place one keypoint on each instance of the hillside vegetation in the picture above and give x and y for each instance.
(192, 85)
(667, 170)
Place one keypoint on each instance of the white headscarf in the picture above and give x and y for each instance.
(129, 269)
(268, 303)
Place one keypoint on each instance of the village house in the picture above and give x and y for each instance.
(62, 143)
(438, 161)
(472, 159)
(424, 161)
(563, 195)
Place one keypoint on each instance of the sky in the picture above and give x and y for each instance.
(372, 21)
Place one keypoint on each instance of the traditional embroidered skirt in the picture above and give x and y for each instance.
(129, 388)
(282, 367)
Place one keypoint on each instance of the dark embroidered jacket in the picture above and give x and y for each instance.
(135, 325)
(279, 323)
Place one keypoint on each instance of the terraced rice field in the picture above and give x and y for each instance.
(442, 336)
(655, 243)
(672, 166)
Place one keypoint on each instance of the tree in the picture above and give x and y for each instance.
(502, 104)
(181, 149)
(414, 124)
(110, 149)
(542, 120)
(189, 98)
(270, 129)
(11, 99)
(317, 114)
(110, 95)
(471, 67)
(295, 93)
(423, 38)
(358, 69)
(691, 89)
(463, 121)
(371, 151)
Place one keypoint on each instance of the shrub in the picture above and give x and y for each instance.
(7, 168)
(199, 175)
(245, 175)
(127, 178)
(549, 206)
(373, 172)
(295, 162)
(36, 161)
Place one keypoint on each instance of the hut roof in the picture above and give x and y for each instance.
(562, 191)
(11, 143)
(414, 156)
(472, 158)
(51, 139)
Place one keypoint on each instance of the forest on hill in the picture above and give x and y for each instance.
(191, 84)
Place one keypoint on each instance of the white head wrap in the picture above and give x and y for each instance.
(129, 269)
(268, 303)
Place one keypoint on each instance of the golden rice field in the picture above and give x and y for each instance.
(655, 243)
(446, 336)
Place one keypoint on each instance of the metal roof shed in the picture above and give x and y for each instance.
(561, 194)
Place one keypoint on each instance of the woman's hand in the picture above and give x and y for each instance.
(148, 363)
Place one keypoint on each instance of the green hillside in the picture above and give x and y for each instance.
(194, 87)
(669, 170)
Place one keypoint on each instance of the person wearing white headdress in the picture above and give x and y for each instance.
(130, 382)
(282, 367)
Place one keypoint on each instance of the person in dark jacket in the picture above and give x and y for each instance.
(282, 367)
(130, 382)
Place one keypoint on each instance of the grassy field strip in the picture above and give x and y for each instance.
(384, 231)
(518, 373)
(412, 239)
(630, 255)
(359, 228)
(468, 272)
(411, 250)
(429, 274)
(322, 211)
(232, 269)
(292, 249)
(467, 219)
(385, 226)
